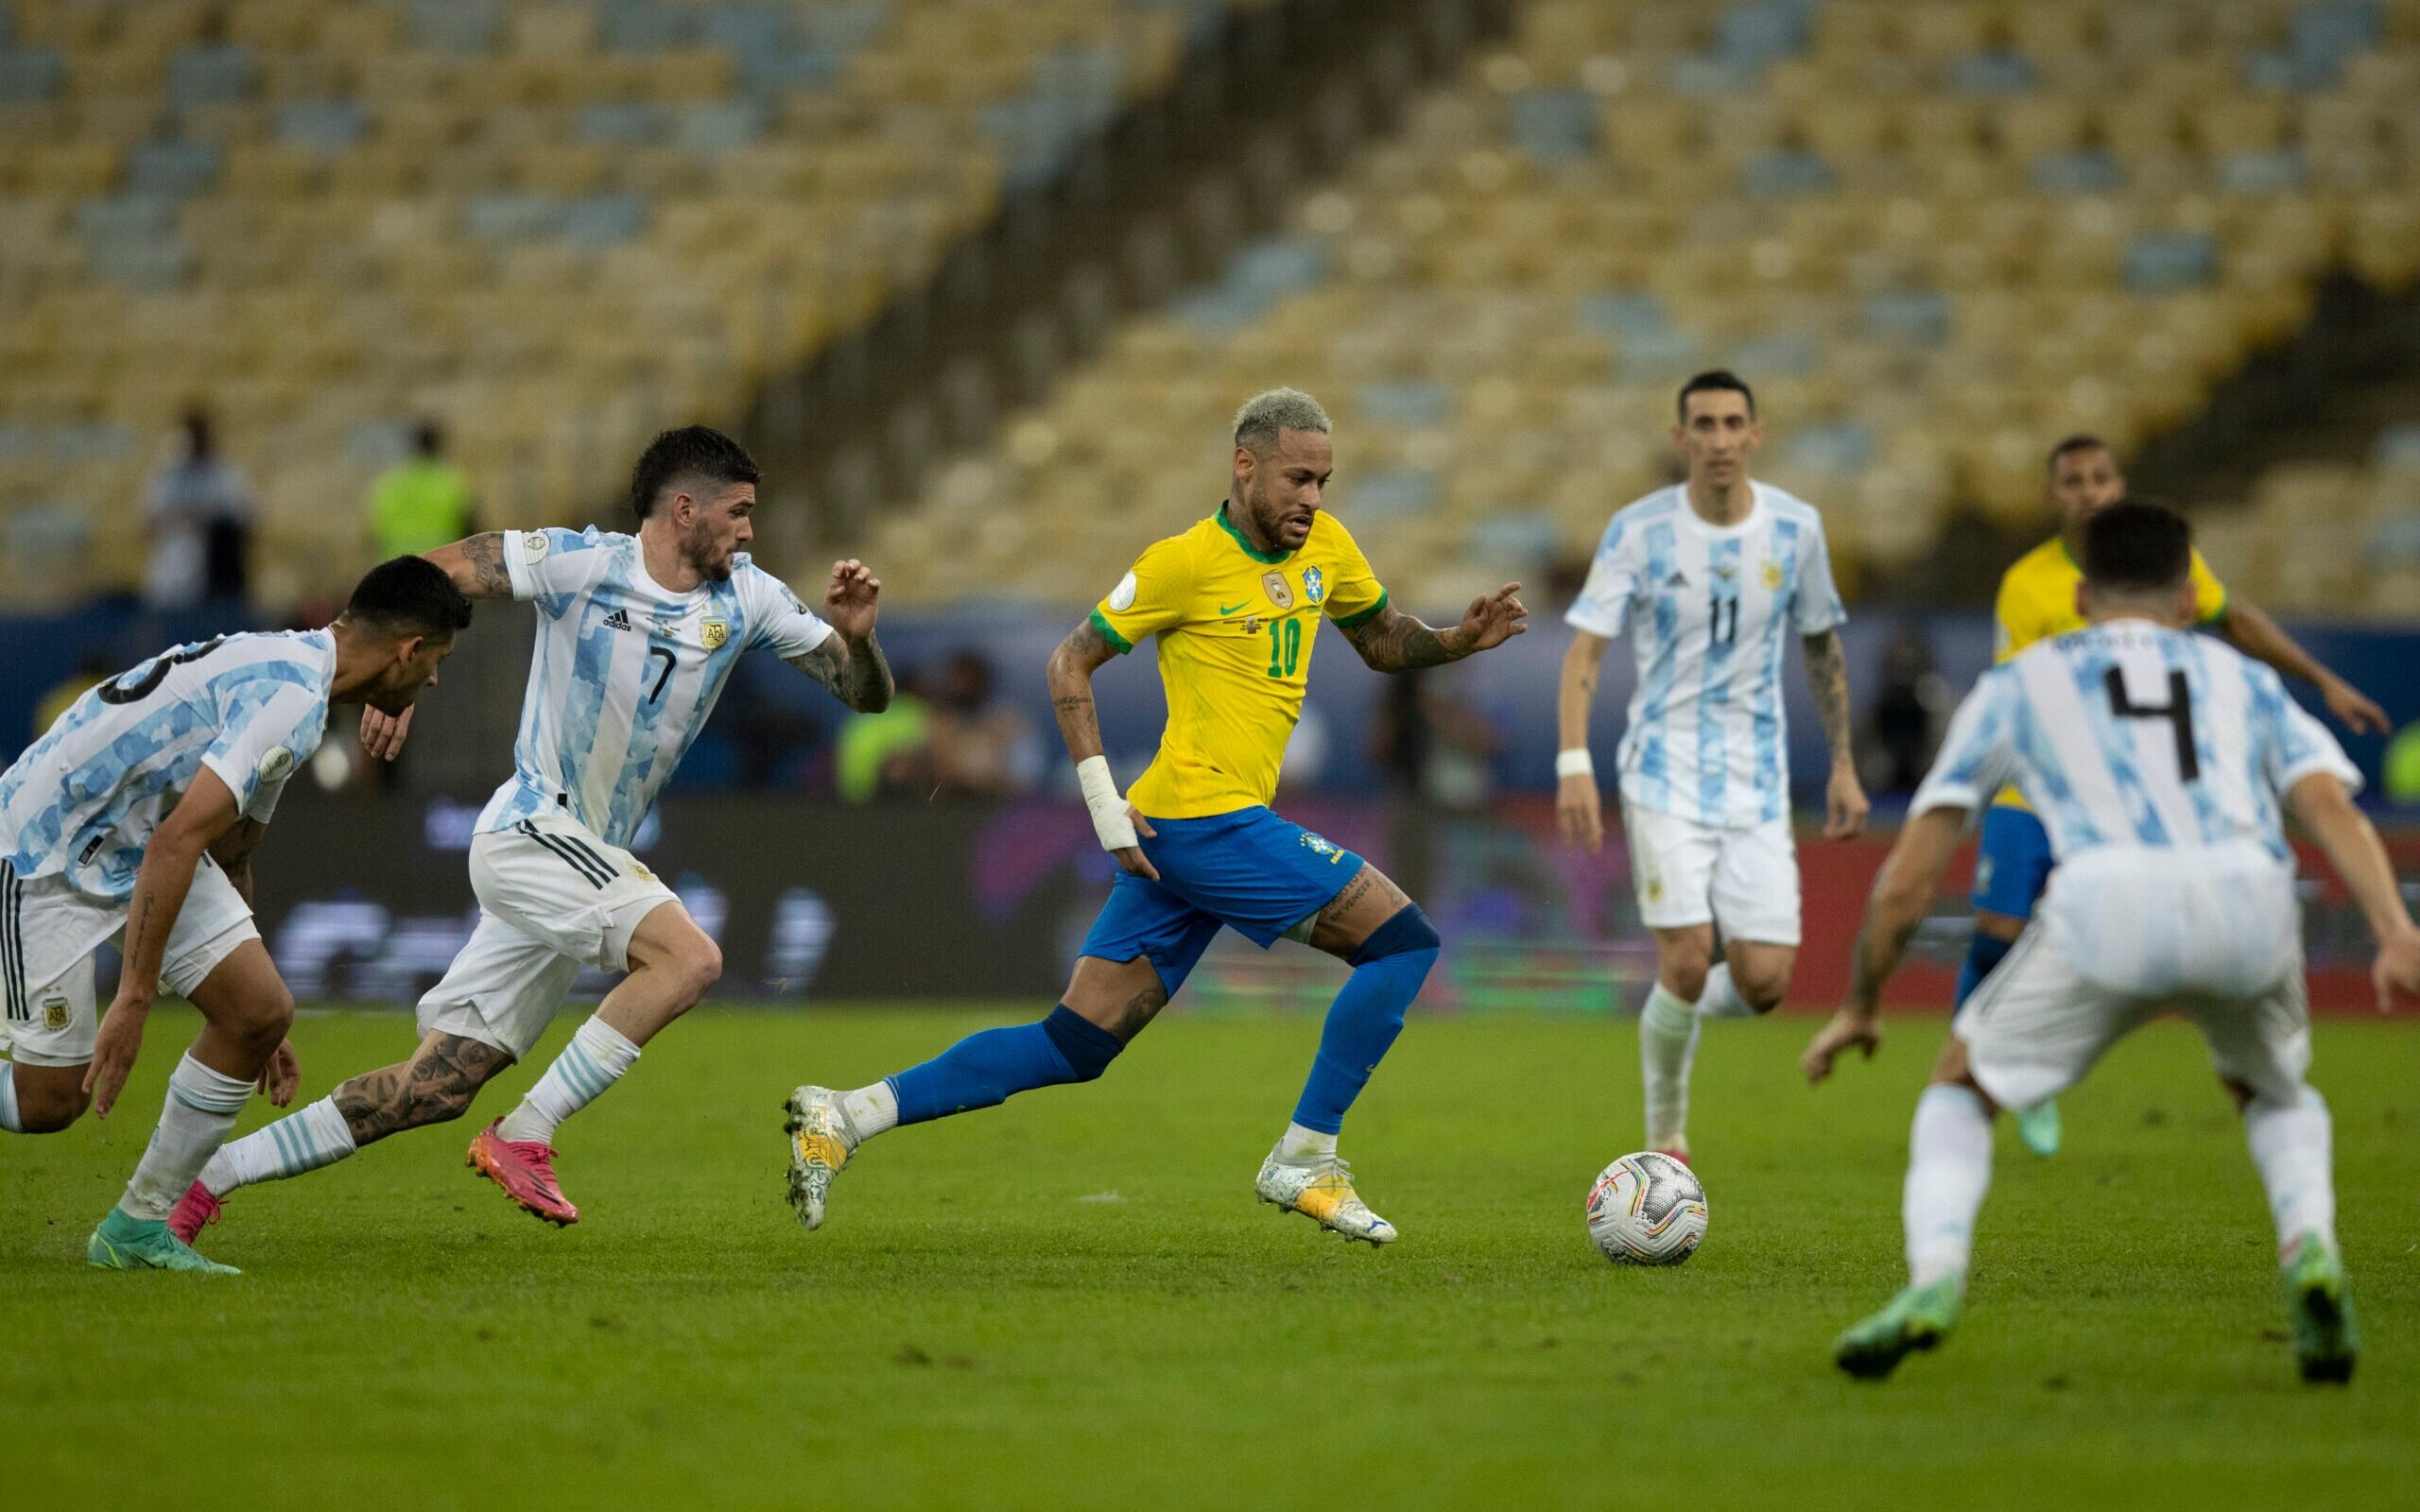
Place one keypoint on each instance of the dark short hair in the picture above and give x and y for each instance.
(689, 454)
(409, 596)
(428, 437)
(2137, 546)
(2080, 442)
(1715, 381)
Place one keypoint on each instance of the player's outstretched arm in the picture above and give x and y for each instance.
(205, 813)
(1827, 677)
(2353, 848)
(476, 565)
(1902, 895)
(1393, 641)
(850, 662)
(1118, 823)
(1578, 808)
(2263, 639)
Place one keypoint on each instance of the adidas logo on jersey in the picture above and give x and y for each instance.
(1678, 580)
(619, 621)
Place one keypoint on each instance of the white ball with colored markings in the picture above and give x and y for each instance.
(1647, 1209)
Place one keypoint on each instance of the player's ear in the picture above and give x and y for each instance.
(2084, 599)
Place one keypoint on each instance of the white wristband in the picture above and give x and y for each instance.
(1574, 763)
(1111, 821)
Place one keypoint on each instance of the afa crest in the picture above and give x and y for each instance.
(55, 1012)
(714, 632)
(1314, 585)
(1772, 574)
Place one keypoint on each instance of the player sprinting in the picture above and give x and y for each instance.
(1236, 602)
(2158, 760)
(2037, 600)
(1711, 577)
(138, 812)
(636, 635)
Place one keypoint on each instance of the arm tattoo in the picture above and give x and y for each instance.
(852, 670)
(489, 577)
(1395, 641)
(1827, 677)
(434, 1085)
(1874, 958)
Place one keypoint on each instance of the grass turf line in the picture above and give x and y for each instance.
(981, 1321)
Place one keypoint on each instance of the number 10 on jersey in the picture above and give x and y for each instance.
(1285, 648)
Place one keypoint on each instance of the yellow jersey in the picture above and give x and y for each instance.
(1235, 626)
(2037, 600)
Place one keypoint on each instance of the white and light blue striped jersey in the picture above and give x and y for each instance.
(2132, 734)
(1711, 613)
(82, 801)
(625, 671)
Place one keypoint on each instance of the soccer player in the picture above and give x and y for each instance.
(1711, 577)
(1236, 602)
(636, 635)
(2037, 599)
(2157, 760)
(138, 812)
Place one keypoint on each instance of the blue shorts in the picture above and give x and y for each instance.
(1249, 870)
(2015, 863)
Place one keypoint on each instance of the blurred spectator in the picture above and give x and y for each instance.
(199, 514)
(1905, 724)
(981, 747)
(890, 752)
(423, 502)
(91, 668)
(1430, 744)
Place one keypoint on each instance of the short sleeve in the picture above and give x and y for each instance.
(261, 739)
(552, 566)
(1602, 608)
(2209, 594)
(2293, 744)
(1353, 596)
(778, 620)
(1148, 599)
(1815, 605)
(1978, 756)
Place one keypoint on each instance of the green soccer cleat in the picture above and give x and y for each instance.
(2038, 1126)
(124, 1242)
(2320, 1302)
(1918, 1318)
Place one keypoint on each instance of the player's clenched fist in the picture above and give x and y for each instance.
(1578, 812)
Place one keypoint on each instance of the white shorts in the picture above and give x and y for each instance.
(50, 933)
(553, 898)
(2038, 1023)
(1688, 873)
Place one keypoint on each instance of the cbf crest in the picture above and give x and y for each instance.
(714, 632)
(1314, 585)
(1280, 592)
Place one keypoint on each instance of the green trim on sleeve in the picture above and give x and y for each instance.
(1108, 633)
(2219, 615)
(1346, 622)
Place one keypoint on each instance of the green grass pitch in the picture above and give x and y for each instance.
(1074, 1302)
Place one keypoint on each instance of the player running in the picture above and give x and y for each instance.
(1710, 577)
(139, 812)
(636, 635)
(1236, 602)
(2157, 761)
(2037, 599)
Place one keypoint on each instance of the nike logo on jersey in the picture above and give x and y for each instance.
(619, 621)
(1230, 609)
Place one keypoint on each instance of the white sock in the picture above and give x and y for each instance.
(1720, 999)
(2293, 1145)
(200, 1111)
(8, 1119)
(303, 1141)
(594, 1060)
(1950, 1168)
(1301, 1147)
(1668, 1038)
(872, 1110)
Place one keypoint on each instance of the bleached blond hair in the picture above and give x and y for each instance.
(1278, 409)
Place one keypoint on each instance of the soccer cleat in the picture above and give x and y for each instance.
(526, 1170)
(196, 1211)
(1323, 1192)
(124, 1242)
(821, 1141)
(1678, 1152)
(1918, 1318)
(2320, 1301)
(2038, 1126)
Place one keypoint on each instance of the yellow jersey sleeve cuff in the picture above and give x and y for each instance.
(1346, 622)
(1108, 632)
(2218, 612)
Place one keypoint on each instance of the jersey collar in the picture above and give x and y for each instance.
(1271, 557)
(1708, 528)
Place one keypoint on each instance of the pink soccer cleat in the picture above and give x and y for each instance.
(526, 1170)
(1678, 1152)
(196, 1211)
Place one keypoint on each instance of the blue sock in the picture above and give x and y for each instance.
(1366, 1016)
(1983, 951)
(987, 1069)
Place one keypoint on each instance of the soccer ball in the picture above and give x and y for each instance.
(1647, 1209)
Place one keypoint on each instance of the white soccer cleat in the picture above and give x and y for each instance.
(1323, 1192)
(821, 1141)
